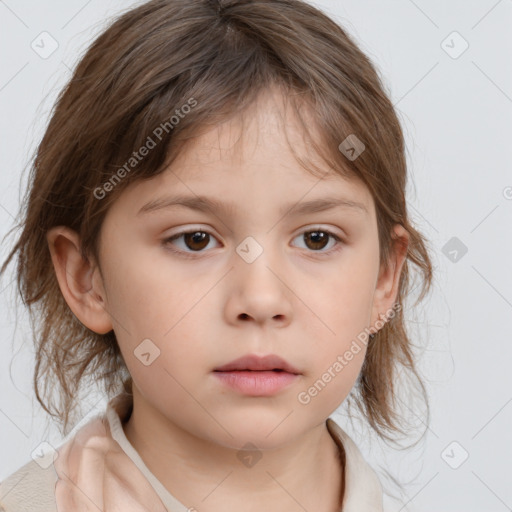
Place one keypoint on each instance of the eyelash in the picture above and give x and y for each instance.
(187, 254)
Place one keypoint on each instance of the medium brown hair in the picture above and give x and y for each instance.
(215, 57)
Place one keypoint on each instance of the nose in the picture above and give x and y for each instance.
(259, 292)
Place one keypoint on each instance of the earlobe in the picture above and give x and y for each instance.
(83, 294)
(388, 281)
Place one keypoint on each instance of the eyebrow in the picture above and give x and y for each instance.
(212, 205)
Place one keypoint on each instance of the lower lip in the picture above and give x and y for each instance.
(257, 383)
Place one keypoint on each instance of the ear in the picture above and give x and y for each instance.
(386, 290)
(80, 282)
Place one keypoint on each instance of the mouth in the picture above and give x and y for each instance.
(248, 370)
(256, 383)
(257, 376)
(254, 375)
(255, 363)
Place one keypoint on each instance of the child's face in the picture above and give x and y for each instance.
(217, 298)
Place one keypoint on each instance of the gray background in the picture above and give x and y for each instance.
(456, 111)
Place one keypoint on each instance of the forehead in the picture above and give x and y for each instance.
(252, 159)
(267, 125)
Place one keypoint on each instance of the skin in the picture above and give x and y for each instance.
(302, 301)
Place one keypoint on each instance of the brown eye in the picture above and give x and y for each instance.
(194, 241)
(197, 240)
(317, 240)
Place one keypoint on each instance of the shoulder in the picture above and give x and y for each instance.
(33, 487)
(30, 488)
(363, 489)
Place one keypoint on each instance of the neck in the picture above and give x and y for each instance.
(307, 473)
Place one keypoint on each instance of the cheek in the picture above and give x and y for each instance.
(165, 367)
(341, 307)
(334, 369)
(341, 311)
(147, 295)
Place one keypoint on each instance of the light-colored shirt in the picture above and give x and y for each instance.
(99, 470)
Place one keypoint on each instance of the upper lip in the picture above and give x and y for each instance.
(258, 363)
